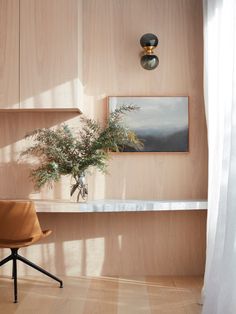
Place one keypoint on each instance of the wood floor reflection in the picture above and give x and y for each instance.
(103, 295)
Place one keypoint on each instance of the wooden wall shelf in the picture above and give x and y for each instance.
(75, 110)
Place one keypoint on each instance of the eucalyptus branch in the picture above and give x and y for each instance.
(61, 152)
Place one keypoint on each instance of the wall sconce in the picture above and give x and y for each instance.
(149, 61)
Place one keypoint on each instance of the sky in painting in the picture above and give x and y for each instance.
(156, 114)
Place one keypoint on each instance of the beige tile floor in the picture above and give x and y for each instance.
(102, 295)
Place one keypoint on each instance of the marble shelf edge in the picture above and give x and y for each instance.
(117, 206)
(53, 206)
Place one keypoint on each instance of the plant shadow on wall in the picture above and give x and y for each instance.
(18, 174)
(14, 181)
(58, 152)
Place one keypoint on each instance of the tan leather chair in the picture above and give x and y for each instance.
(19, 227)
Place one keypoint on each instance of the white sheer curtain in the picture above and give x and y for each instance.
(219, 293)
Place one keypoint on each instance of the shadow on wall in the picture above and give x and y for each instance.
(120, 244)
(15, 125)
(15, 181)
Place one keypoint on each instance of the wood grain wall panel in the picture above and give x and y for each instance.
(112, 67)
(50, 53)
(9, 54)
(127, 243)
(14, 171)
(120, 244)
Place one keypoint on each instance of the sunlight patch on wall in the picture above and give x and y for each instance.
(95, 251)
(66, 95)
(96, 185)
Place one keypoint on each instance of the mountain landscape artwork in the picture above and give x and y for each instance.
(162, 123)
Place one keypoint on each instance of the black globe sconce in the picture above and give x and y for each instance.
(149, 61)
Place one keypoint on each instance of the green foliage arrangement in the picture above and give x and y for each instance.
(60, 152)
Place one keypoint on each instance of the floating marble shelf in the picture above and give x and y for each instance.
(119, 206)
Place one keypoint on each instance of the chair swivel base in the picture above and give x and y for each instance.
(14, 257)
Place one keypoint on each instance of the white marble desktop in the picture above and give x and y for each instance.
(118, 206)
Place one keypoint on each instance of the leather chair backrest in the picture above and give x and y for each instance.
(18, 220)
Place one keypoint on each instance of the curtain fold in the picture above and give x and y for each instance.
(219, 292)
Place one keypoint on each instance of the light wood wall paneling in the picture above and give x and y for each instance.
(106, 243)
(50, 52)
(112, 30)
(9, 54)
(111, 66)
(121, 244)
(14, 172)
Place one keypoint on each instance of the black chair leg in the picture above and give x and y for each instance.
(14, 257)
(5, 260)
(27, 262)
(15, 279)
(12, 274)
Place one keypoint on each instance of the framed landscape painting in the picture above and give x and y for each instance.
(162, 123)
